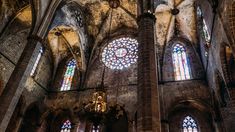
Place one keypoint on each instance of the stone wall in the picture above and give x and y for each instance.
(214, 63)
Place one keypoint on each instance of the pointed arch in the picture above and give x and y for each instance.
(196, 70)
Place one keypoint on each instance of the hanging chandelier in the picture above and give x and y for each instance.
(96, 110)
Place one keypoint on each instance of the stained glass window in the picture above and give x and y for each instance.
(205, 31)
(180, 62)
(94, 129)
(37, 61)
(68, 76)
(189, 125)
(120, 53)
(66, 126)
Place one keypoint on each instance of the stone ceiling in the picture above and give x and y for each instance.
(98, 20)
(64, 40)
(178, 22)
(25, 16)
(95, 23)
(174, 18)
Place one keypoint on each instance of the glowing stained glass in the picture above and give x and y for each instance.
(189, 124)
(120, 53)
(66, 126)
(68, 76)
(180, 62)
(37, 61)
(205, 30)
(95, 129)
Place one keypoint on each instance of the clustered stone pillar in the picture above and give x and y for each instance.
(148, 113)
(15, 85)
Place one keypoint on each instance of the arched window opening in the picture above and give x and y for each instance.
(68, 76)
(180, 62)
(66, 126)
(189, 125)
(37, 61)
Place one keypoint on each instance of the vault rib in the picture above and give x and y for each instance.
(128, 12)
(104, 21)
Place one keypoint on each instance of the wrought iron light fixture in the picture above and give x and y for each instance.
(96, 110)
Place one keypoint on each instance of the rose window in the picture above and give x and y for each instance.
(120, 53)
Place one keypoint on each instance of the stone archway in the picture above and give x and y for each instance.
(31, 119)
(201, 113)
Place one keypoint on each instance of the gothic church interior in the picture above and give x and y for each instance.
(117, 66)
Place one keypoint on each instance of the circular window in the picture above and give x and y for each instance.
(120, 53)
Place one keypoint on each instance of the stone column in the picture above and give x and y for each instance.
(148, 114)
(15, 85)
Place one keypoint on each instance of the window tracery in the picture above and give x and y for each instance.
(120, 53)
(95, 129)
(66, 126)
(189, 125)
(180, 63)
(68, 76)
(36, 62)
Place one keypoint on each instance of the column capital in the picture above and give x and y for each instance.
(146, 15)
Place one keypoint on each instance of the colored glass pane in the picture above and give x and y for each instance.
(189, 124)
(68, 76)
(180, 63)
(120, 53)
(66, 126)
(95, 129)
(37, 61)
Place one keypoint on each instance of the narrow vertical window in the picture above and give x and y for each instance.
(180, 62)
(68, 76)
(206, 33)
(189, 125)
(203, 27)
(66, 126)
(37, 61)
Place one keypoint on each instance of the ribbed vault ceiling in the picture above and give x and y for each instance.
(170, 25)
(98, 21)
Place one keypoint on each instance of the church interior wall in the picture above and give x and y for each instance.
(43, 107)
